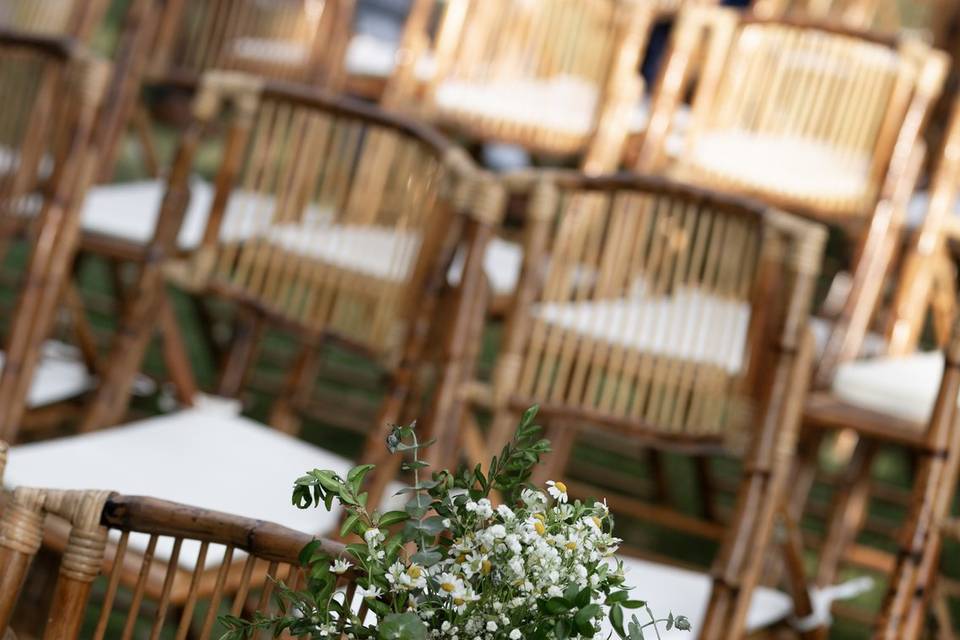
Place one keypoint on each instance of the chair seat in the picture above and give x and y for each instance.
(128, 212)
(60, 375)
(208, 456)
(370, 56)
(684, 592)
(671, 326)
(272, 51)
(794, 168)
(904, 387)
(565, 104)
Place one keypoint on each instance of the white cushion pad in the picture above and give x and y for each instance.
(683, 592)
(60, 375)
(873, 343)
(798, 167)
(271, 51)
(563, 103)
(368, 55)
(904, 387)
(207, 456)
(689, 325)
(128, 211)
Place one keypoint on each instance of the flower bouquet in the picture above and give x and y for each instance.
(454, 564)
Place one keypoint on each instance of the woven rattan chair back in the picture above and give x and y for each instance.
(807, 116)
(653, 305)
(173, 536)
(329, 218)
(557, 77)
(51, 91)
(333, 216)
(297, 40)
(75, 18)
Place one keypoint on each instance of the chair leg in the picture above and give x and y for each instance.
(296, 390)
(941, 613)
(248, 333)
(175, 354)
(847, 512)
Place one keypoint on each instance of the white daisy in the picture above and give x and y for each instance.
(340, 566)
(557, 490)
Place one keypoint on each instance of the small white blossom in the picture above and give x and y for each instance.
(557, 490)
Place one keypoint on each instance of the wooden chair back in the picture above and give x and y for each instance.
(51, 91)
(653, 305)
(557, 77)
(296, 40)
(74, 18)
(849, 104)
(333, 216)
(169, 533)
(330, 218)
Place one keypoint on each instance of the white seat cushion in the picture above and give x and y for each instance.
(271, 51)
(563, 103)
(797, 167)
(128, 211)
(368, 55)
(60, 375)
(903, 387)
(684, 592)
(689, 325)
(207, 456)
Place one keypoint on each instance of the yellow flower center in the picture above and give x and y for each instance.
(571, 545)
(562, 488)
(458, 601)
(597, 522)
(414, 572)
(485, 567)
(540, 517)
(461, 557)
(539, 527)
(448, 586)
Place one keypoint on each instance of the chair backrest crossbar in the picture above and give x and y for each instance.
(105, 530)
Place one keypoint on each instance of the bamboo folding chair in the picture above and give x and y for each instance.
(300, 244)
(77, 19)
(889, 400)
(51, 90)
(556, 77)
(656, 314)
(169, 48)
(821, 120)
(170, 533)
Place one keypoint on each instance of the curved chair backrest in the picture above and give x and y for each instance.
(297, 40)
(810, 116)
(179, 547)
(555, 76)
(328, 217)
(655, 306)
(51, 93)
(332, 215)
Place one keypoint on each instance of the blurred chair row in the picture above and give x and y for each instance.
(666, 316)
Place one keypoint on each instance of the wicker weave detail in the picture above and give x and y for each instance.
(21, 528)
